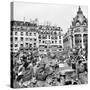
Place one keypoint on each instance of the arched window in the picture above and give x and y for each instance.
(39, 37)
(85, 22)
(77, 23)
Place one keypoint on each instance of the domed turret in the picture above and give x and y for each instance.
(80, 19)
(79, 11)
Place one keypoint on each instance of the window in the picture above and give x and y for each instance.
(55, 33)
(39, 41)
(11, 45)
(26, 39)
(59, 41)
(59, 33)
(52, 41)
(21, 38)
(21, 45)
(11, 33)
(34, 34)
(85, 29)
(34, 39)
(80, 41)
(15, 33)
(30, 33)
(30, 39)
(49, 36)
(16, 38)
(21, 33)
(55, 37)
(45, 46)
(44, 37)
(26, 44)
(42, 41)
(34, 43)
(59, 37)
(11, 39)
(30, 45)
(60, 46)
(85, 23)
(76, 41)
(16, 45)
(77, 24)
(55, 41)
(39, 37)
(26, 33)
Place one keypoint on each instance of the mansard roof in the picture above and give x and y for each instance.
(22, 23)
(27, 26)
(80, 19)
(49, 27)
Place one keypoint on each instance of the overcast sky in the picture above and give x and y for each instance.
(56, 14)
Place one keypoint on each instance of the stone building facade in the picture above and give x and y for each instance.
(28, 34)
(78, 32)
(23, 34)
(67, 39)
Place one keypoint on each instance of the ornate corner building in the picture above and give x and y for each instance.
(77, 34)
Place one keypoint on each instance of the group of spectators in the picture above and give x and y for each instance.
(33, 70)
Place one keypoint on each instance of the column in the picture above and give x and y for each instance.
(82, 40)
(74, 40)
(70, 41)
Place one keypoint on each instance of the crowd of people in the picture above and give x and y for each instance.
(31, 69)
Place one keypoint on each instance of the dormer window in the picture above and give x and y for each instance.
(77, 24)
(84, 23)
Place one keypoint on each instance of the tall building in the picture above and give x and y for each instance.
(78, 31)
(30, 34)
(50, 36)
(67, 39)
(23, 34)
